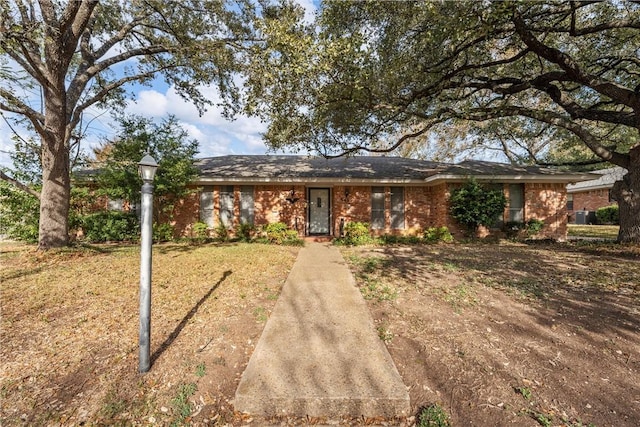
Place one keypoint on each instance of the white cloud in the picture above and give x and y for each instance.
(149, 103)
(216, 134)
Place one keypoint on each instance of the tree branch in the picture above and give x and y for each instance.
(19, 185)
(570, 66)
(17, 106)
(552, 118)
(99, 96)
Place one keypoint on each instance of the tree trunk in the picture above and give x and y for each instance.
(56, 183)
(627, 194)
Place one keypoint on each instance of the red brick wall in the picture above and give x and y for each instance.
(547, 202)
(270, 205)
(591, 200)
(351, 203)
(424, 207)
(186, 212)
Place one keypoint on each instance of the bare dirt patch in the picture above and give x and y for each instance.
(511, 334)
(69, 332)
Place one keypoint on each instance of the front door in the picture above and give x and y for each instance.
(319, 211)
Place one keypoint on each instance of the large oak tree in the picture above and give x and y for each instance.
(536, 78)
(60, 59)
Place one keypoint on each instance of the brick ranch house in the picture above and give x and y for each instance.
(317, 196)
(585, 198)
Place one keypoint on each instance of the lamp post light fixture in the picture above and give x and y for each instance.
(147, 171)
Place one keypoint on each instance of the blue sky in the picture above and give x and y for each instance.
(216, 135)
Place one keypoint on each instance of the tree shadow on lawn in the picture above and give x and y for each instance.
(593, 296)
(568, 339)
(176, 332)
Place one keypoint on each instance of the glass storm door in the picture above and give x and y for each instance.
(319, 211)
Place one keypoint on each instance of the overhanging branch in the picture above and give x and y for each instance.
(19, 185)
(552, 118)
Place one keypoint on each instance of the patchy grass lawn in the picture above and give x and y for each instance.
(487, 334)
(511, 334)
(608, 232)
(69, 332)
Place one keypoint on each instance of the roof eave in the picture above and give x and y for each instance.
(306, 181)
(552, 179)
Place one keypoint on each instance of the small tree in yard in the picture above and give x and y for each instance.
(167, 143)
(473, 205)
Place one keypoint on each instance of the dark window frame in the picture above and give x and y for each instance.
(247, 204)
(396, 209)
(206, 205)
(377, 208)
(227, 199)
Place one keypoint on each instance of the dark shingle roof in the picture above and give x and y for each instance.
(261, 167)
(286, 168)
(483, 168)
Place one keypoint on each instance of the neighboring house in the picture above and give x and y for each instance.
(585, 198)
(317, 196)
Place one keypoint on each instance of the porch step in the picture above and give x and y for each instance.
(319, 354)
(318, 239)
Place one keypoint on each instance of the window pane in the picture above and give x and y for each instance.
(569, 202)
(516, 202)
(226, 205)
(397, 207)
(377, 208)
(246, 204)
(206, 205)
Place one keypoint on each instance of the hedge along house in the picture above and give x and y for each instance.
(318, 196)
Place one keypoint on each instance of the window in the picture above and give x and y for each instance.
(377, 208)
(226, 205)
(206, 205)
(569, 202)
(397, 208)
(516, 202)
(246, 204)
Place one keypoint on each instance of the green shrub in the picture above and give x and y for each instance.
(533, 226)
(357, 233)
(437, 234)
(110, 226)
(516, 229)
(246, 231)
(608, 215)
(19, 213)
(221, 232)
(433, 416)
(279, 234)
(473, 205)
(162, 232)
(199, 232)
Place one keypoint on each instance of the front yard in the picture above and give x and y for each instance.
(511, 334)
(69, 332)
(495, 334)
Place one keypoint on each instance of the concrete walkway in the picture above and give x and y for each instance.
(319, 354)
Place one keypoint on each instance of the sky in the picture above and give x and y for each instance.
(215, 134)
